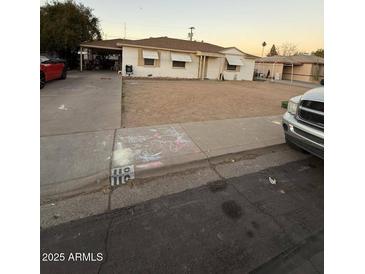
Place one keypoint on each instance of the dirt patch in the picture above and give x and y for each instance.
(154, 102)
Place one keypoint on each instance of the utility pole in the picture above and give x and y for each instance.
(125, 30)
(191, 33)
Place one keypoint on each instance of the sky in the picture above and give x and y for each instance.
(244, 24)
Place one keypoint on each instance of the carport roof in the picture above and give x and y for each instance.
(295, 60)
(160, 43)
(105, 44)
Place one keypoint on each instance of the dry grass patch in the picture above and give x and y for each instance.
(153, 102)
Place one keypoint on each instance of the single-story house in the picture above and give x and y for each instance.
(177, 58)
(307, 68)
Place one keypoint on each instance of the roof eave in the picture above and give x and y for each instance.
(248, 56)
(151, 47)
(206, 53)
(99, 47)
(232, 48)
(278, 62)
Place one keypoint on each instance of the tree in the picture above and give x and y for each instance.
(64, 25)
(287, 49)
(319, 53)
(263, 47)
(273, 51)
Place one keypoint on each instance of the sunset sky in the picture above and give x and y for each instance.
(244, 24)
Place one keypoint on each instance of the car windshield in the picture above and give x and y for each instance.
(44, 58)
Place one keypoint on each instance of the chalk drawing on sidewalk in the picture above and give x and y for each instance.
(150, 165)
(170, 139)
(122, 156)
(136, 139)
(62, 107)
(146, 156)
(151, 146)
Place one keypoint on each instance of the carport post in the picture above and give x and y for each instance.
(200, 66)
(203, 68)
(81, 58)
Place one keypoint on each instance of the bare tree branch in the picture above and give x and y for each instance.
(287, 49)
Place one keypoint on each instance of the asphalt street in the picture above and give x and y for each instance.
(239, 225)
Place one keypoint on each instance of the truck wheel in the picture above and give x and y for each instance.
(43, 80)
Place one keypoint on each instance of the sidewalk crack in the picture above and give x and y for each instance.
(211, 165)
(121, 103)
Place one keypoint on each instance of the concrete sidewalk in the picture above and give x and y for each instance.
(77, 163)
(155, 149)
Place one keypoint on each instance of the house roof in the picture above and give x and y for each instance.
(311, 59)
(296, 60)
(162, 43)
(178, 44)
(246, 54)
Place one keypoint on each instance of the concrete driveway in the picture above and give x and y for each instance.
(84, 102)
(78, 118)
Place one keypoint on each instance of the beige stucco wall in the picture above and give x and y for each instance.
(214, 66)
(304, 72)
(245, 72)
(130, 57)
(321, 72)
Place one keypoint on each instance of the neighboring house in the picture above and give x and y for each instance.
(307, 68)
(177, 58)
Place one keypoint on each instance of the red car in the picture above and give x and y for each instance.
(52, 69)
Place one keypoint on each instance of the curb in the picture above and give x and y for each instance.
(100, 181)
(74, 187)
(203, 163)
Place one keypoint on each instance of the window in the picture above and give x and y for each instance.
(149, 62)
(178, 64)
(231, 67)
(234, 62)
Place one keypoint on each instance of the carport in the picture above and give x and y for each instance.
(307, 68)
(277, 66)
(94, 52)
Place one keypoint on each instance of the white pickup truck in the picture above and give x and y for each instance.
(303, 122)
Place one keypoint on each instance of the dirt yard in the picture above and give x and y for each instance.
(153, 102)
